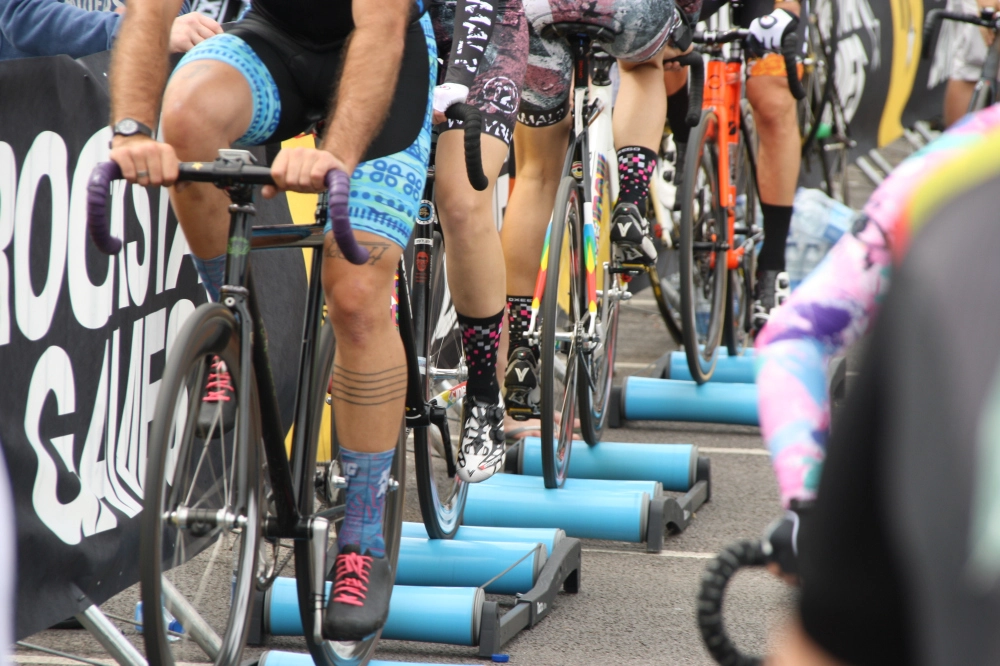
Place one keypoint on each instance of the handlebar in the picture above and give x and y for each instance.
(932, 26)
(719, 572)
(222, 173)
(472, 122)
(693, 60)
(789, 51)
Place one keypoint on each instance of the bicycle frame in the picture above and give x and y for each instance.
(591, 147)
(723, 92)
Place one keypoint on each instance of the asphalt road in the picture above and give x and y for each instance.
(633, 607)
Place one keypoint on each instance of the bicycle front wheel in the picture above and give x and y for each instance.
(200, 525)
(746, 234)
(560, 312)
(703, 235)
(327, 500)
(440, 491)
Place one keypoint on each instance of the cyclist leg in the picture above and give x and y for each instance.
(475, 263)
(779, 159)
(540, 142)
(967, 53)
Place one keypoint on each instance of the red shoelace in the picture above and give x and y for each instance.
(219, 387)
(351, 579)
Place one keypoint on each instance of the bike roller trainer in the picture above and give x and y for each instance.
(615, 492)
(441, 586)
(652, 399)
(728, 369)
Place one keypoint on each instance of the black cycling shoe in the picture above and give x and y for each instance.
(359, 599)
(481, 453)
(218, 403)
(522, 395)
(772, 289)
(631, 241)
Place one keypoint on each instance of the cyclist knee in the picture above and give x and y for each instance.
(358, 305)
(196, 123)
(772, 103)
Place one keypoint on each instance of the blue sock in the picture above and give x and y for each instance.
(367, 483)
(212, 272)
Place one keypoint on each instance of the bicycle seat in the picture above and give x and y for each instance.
(597, 33)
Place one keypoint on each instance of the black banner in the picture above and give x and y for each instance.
(84, 337)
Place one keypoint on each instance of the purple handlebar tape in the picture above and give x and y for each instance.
(338, 186)
(98, 194)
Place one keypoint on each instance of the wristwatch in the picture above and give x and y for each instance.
(130, 127)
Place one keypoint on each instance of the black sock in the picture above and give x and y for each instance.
(481, 342)
(677, 110)
(777, 220)
(518, 322)
(635, 168)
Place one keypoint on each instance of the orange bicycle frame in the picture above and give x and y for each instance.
(723, 92)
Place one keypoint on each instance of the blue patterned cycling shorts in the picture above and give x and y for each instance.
(385, 190)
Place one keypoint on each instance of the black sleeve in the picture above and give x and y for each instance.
(474, 21)
(852, 599)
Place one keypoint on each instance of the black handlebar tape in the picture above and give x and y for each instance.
(210, 172)
(713, 587)
(98, 193)
(696, 75)
(932, 30)
(472, 121)
(789, 50)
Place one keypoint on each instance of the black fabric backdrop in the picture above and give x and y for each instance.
(83, 338)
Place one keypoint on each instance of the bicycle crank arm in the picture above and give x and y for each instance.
(319, 535)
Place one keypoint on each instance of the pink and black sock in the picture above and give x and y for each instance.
(518, 322)
(481, 342)
(635, 169)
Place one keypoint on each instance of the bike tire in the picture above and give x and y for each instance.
(178, 565)
(337, 653)
(668, 301)
(441, 495)
(718, 574)
(559, 362)
(703, 271)
(597, 360)
(739, 301)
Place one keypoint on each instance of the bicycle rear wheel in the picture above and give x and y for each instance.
(560, 313)
(440, 491)
(331, 506)
(200, 525)
(704, 269)
(597, 357)
(739, 317)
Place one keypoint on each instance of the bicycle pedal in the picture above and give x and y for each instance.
(523, 413)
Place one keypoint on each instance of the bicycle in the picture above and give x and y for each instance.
(245, 493)
(985, 92)
(718, 230)
(718, 574)
(823, 125)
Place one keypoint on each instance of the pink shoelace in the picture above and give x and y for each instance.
(351, 580)
(219, 385)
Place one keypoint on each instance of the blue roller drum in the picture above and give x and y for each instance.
(513, 481)
(428, 614)
(644, 398)
(548, 537)
(728, 369)
(591, 514)
(673, 465)
(469, 564)
(278, 658)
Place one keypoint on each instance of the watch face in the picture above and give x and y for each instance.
(128, 126)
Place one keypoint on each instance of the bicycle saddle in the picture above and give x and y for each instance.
(597, 33)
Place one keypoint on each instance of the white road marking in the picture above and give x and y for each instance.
(641, 302)
(745, 452)
(679, 554)
(629, 365)
(62, 661)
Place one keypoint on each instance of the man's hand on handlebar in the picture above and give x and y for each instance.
(302, 170)
(669, 53)
(145, 161)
